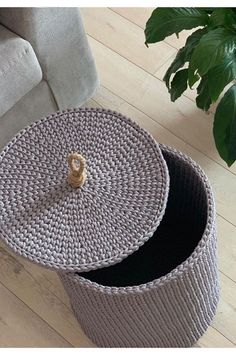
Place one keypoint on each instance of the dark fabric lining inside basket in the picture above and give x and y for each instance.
(174, 240)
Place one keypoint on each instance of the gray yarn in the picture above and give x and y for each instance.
(46, 221)
(118, 208)
(171, 311)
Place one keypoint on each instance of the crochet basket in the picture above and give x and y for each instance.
(128, 224)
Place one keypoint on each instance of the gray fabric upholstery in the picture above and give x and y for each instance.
(35, 104)
(19, 69)
(59, 41)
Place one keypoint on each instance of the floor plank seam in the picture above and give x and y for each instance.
(37, 315)
(231, 341)
(36, 281)
(220, 215)
(130, 61)
(228, 277)
(142, 28)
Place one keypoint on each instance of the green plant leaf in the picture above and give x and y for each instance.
(220, 76)
(166, 21)
(213, 49)
(208, 10)
(223, 17)
(203, 100)
(193, 77)
(224, 128)
(184, 54)
(179, 84)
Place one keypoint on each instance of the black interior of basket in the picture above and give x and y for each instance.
(174, 240)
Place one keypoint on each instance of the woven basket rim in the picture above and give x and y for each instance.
(186, 264)
(125, 253)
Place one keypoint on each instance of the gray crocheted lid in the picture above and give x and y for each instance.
(118, 201)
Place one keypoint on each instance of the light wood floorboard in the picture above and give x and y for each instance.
(20, 327)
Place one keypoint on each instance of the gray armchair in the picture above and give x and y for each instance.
(45, 64)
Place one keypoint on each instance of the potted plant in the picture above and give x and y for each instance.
(208, 59)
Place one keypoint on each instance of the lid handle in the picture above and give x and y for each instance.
(77, 174)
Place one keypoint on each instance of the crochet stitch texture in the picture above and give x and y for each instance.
(117, 209)
(132, 234)
(173, 310)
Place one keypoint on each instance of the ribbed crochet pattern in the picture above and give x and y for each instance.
(175, 309)
(131, 231)
(112, 214)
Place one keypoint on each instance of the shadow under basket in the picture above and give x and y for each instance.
(165, 294)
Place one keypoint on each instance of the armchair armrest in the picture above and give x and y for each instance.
(19, 69)
(59, 41)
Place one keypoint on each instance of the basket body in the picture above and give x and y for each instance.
(175, 308)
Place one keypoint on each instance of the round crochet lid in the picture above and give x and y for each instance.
(81, 189)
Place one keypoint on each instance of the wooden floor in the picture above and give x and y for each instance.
(34, 309)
